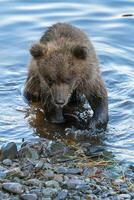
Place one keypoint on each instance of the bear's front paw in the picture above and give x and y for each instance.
(99, 122)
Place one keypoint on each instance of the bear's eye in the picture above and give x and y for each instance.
(50, 81)
(68, 80)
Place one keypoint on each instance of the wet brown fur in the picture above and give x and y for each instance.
(64, 53)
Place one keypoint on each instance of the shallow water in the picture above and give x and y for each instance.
(22, 23)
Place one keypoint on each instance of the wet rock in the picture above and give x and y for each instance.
(124, 196)
(66, 170)
(39, 165)
(7, 162)
(14, 172)
(49, 174)
(47, 166)
(73, 183)
(28, 153)
(2, 174)
(13, 198)
(93, 197)
(50, 192)
(52, 184)
(58, 178)
(13, 187)
(62, 195)
(29, 197)
(8, 150)
(3, 196)
(37, 191)
(34, 182)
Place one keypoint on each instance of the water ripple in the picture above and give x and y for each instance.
(110, 26)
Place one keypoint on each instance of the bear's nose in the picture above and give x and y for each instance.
(60, 102)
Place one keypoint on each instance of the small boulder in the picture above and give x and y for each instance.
(8, 150)
(13, 187)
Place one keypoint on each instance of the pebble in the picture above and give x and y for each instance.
(13, 187)
(34, 182)
(62, 195)
(7, 162)
(29, 197)
(94, 197)
(73, 183)
(66, 170)
(39, 165)
(49, 174)
(2, 174)
(3, 196)
(52, 184)
(14, 172)
(124, 196)
(8, 150)
(50, 192)
(58, 178)
(28, 153)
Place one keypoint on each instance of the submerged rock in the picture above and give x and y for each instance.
(8, 150)
(13, 187)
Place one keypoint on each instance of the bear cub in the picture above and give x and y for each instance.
(63, 64)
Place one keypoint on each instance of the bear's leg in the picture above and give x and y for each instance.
(32, 89)
(98, 100)
(100, 116)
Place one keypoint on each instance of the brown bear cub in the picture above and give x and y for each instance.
(64, 64)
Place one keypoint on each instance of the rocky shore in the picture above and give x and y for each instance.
(45, 170)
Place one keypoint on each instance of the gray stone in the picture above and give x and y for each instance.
(62, 195)
(7, 162)
(14, 172)
(28, 153)
(13, 187)
(8, 150)
(50, 192)
(66, 170)
(93, 197)
(13, 198)
(2, 174)
(49, 174)
(29, 196)
(36, 191)
(124, 196)
(52, 184)
(73, 183)
(47, 166)
(3, 196)
(39, 165)
(58, 178)
(34, 182)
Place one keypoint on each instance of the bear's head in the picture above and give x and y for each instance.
(60, 67)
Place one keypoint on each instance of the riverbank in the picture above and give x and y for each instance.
(45, 170)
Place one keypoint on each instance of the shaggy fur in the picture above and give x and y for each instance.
(64, 62)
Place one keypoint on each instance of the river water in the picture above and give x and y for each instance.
(110, 26)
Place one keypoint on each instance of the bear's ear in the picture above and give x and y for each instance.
(36, 50)
(80, 52)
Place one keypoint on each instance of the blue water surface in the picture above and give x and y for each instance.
(23, 22)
